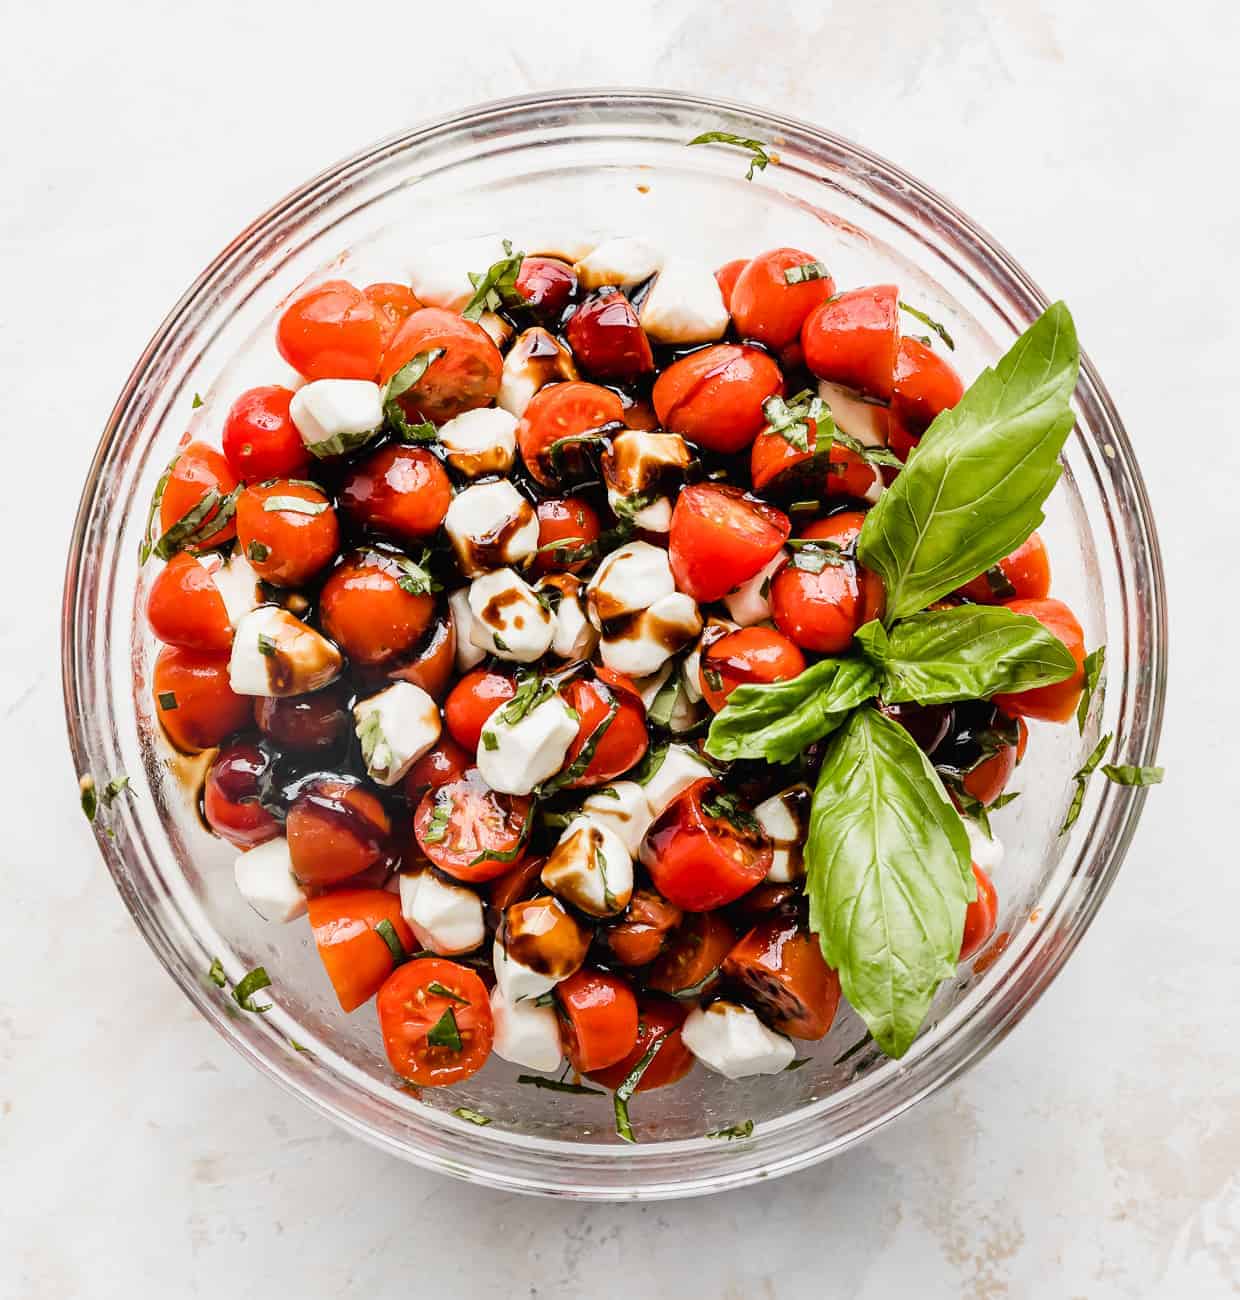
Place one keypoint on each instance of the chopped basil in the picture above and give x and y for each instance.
(441, 811)
(651, 764)
(249, 984)
(299, 1047)
(713, 678)
(628, 508)
(90, 798)
(445, 1032)
(624, 1127)
(725, 806)
(444, 992)
(198, 524)
(798, 506)
(500, 643)
(146, 546)
(340, 443)
(929, 323)
(216, 974)
(257, 552)
(1127, 774)
(167, 700)
(532, 691)
(295, 505)
(490, 741)
(606, 792)
(113, 789)
(577, 768)
(789, 421)
(664, 702)
(761, 155)
(1095, 662)
(496, 287)
(196, 403)
(415, 576)
(410, 373)
(742, 1130)
(796, 1063)
(555, 1085)
(266, 645)
(387, 932)
(473, 1116)
(1082, 780)
(806, 271)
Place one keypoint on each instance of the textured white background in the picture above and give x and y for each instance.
(1096, 1153)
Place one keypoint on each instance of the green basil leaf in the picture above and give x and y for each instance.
(888, 875)
(295, 505)
(920, 315)
(968, 653)
(557, 1085)
(496, 287)
(761, 155)
(620, 1102)
(975, 487)
(1082, 782)
(246, 987)
(1095, 661)
(778, 721)
(410, 373)
(445, 1032)
(1127, 774)
(742, 1130)
(473, 1116)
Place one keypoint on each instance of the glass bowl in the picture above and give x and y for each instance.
(614, 162)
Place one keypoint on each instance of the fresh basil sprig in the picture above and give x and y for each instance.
(496, 287)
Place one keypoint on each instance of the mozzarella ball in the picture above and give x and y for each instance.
(275, 655)
(468, 653)
(489, 525)
(264, 876)
(335, 415)
(239, 586)
(623, 262)
(525, 1033)
(395, 727)
(623, 809)
(732, 1041)
(575, 636)
(785, 818)
(590, 868)
(631, 578)
(535, 360)
(685, 304)
(985, 850)
(509, 619)
(483, 441)
(680, 768)
(439, 273)
(651, 637)
(865, 421)
(445, 918)
(514, 757)
(750, 603)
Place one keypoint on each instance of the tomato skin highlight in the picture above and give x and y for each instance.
(546, 283)
(783, 975)
(750, 654)
(356, 958)
(714, 397)
(981, 917)
(472, 701)
(399, 492)
(599, 1025)
(364, 609)
(331, 332)
(1026, 571)
(260, 440)
(197, 470)
(286, 547)
(693, 954)
(515, 885)
(854, 340)
(607, 339)
(720, 537)
(766, 307)
(336, 829)
(408, 1009)
(656, 1016)
(185, 609)
(621, 745)
(573, 521)
(230, 797)
(479, 820)
(1056, 702)
(562, 411)
(465, 377)
(206, 710)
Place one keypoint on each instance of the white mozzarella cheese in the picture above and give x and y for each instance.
(648, 687)
(236, 582)
(445, 918)
(986, 851)
(652, 636)
(631, 578)
(395, 727)
(275, 654)
(685, 712)
(636, 464)
(536, 359)
(623, 262)
(685, 305)
(784, 818)
(490, 525)
(565, 245)
(525, 1033)
(334, 415)
(439, 273)
(865, 421)
(483, 441)
(509, 619)
(575, 636)
(750, 603)
(691, 664)
(590, 868)
(623, 809)
(514, 757)
(468, 654)
(497, 328)
(732, 1041)
(264, 877)
(656, 517)
(517, 982)
(680, 768)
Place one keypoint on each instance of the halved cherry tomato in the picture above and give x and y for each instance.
(853, 340)
(286, 543)
(198, 470)
(305, 723)
(472, 701)
(562, 411)
(607, 339)
(193, 699)
(357, 959)
(981, 917)
(638, 938)
(720, 537)
(332, 332)
(230, 797)
(336, 828)
(393, 304)
(766, 307)
(1057, 702)
(521, 882)
(260, 440)
(460, 824)
(621, 745)
(726, 277)
(750, 654)
(693, 954)
(706, 850)
(401, 492)
(778, 468)
(366, 611)
(186, 609)
(658, 1017)
(1025, 574)
(546, 284)
(924, 384)
(572, 522)
(599, 1019)
(432, 997)
(466, 376)
(446, 762)
(714, 397)
(782, 975)
(821, 610)
(639, 414)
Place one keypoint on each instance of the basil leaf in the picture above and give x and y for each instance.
(778, 721)
(620, 1102)
(387, 932)
(147, 544)
(1095, 661)
(888, 875)
(199, 523)
(473, 1116)
(246, 987)
(497, 286)
(410, 373)
(917, 314)
(556, 1085)
(89, 796)
(743, 1130)
(968, 653)
(445, 1032)
(295, 505)
(1127, 774)
(1082, 781)
(761, 155)
(975, 488)
(804, 272)
(216, 974)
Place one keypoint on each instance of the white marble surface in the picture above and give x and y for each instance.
(1097, 1152)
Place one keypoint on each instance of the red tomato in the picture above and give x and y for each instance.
(332, 332)
(194, 701)
(705, 851)
(780, 971)
(821, 611)
(714, 397)
(1023, 575)
(546, 283)
(726, 277)
(472, 701)
(924, 384)
(336, 828)
(621, 745)
(446, 762)
(433, 665)
(460, 823)
(693, 954)
(562, 411)
(357, 959)
(185, 608)
(401, 492)
(521, 882)
(750, 654)
(657, 1017)
(230, 797)
(306, 723)
(1057, 702)
(606, 338)
(982, 916)
(766, 307)
(853, 340)
(638, 938)
(544, 936)
(720, 537)
(777, 467)
(639, 414)
(988, 778)
(393, 304)
(197, 470)
(286, 545)
(366, 611)
(571, 521)
(439, 997)
(260, 439)
(598, 1019)
(466, 376)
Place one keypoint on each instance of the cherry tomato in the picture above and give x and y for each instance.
(357, 959)
(720, 537)
(658, 1017)
(778, 468)
(433, 665)
(621, 745)
(332, 332)
(546, 284)
(705, 850)
(638, 938)
(750, 654)
(185, 608)
(571, 521)
(853, 340)
(366, 611)
(260, 440)
(639, 414)
(472, 701)
(305, 723)
(782, 975)
(1025, 574)
(726, 277)
(928, 724)
(821, 611)
(562, 411)
(194, 701)
(433, 997)
(598, 1019)
(198, 469)
(544, 936)
(714, 397)
(285, 543)
(606, 338)
(518, 883)
(336, 828)
(924, 384)
(466, 376)
(988, 778)
(766, 307)
(982, 916)
(393, 304)
(693, 954)
(230, 797)
(446, 762)
(459, 824)
(401, 492)
(768, 899)
(1057, 702)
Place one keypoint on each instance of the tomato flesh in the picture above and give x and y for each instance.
(599, 1019)
(435, 999)
(606, 338)
(465, 376)
(198, 470)
(981, 917)
(194, 701)
(472, 701)
(568, 529)
(336, 829)
(693, 955)
(1025, 574)
(366, 611)
(470, 831)
(562, 411)
(357, 959)
(751, 654)
(286, 543)
(720, 537)
(620, 746)
(231, 793)
(780, 971)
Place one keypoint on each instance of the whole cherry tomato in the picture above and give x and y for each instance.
(260, 439)
(854, 338)
(357, 958)
(193, 699)
(1057, 702)
(400, 492)
(778, 468)
(562, 411)
(638, 938)
(924, 384)
(693, 954)
(750, 654)
(446, 762)
(981, 917)
(230, 796)
(780, 972)
(198, 470)
(470, 831)
(436, 1021)
(766, 307)
(472, 701)
(606, 338)
(516, 884)
(368, 613)
(658, 1018)
(714, 397)
(599, 1019)
(185, 608)
(1025, 574)
(568, 530)
(720, 537)
(620, 745)
(336, 828)
(287, 530)
(305, 723)
(332, 332)
(546, 284)
(466, 375)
